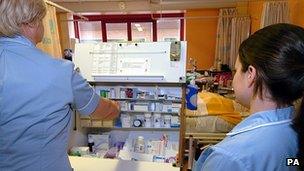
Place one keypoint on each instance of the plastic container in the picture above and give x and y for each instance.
(122, 94)
(123, 105)
(149, 147)
(112, 93)
(125, 120)
(157, 120)
(167, 121)
(159, 159)
(137, 123)
(90, 144)
(152, 106)
(139, 145)
(148, 120)
(159, 107)
(191, 96)
(104, 93)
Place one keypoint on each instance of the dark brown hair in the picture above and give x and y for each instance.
(277, 53)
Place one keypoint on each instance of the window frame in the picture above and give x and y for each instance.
(142, 38)
(79, 30)
(130, 18)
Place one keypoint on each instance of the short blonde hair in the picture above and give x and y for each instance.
(14, 13)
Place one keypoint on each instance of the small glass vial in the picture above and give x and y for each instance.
(139, 145)
(123, 105)
(152, 106)
(148, 120)
(125, 120)
(90, 144)
(149, 147)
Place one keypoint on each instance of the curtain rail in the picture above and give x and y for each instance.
(65, 9)
(197, 17)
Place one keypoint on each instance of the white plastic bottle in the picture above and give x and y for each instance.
(157, 120)
(167, 121)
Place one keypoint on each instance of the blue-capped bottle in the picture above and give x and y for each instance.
(191, 95)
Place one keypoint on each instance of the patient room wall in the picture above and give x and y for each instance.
(201, 36)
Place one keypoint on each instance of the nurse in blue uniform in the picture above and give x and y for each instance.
(269, 78)
(38, 93)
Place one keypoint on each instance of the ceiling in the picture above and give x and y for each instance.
(130, 6)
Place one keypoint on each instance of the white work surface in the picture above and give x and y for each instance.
(97, 164)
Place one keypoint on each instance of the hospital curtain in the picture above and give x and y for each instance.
(275, 12)
(231, 31)
(239, 32)
(223, 36)
(51, 42)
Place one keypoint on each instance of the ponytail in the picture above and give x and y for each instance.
(299, 128)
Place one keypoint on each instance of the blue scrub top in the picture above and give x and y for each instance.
(37, 94)
(261, 142)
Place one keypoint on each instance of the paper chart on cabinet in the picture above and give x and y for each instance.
(109, 61)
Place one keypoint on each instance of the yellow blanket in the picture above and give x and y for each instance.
(217, 105)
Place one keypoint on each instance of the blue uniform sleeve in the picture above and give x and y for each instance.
(85, 98)
(217, 160)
